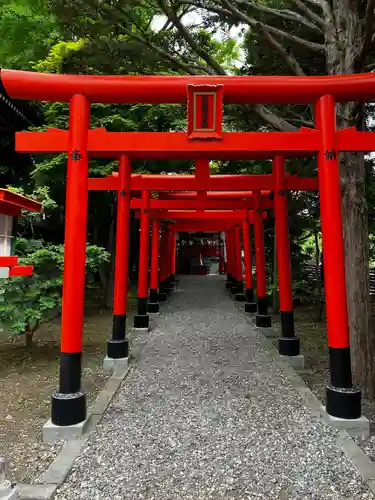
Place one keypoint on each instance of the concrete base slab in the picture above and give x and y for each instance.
(36, 491)
(8, 494)
(268, 332)
(52, 432)
(110, 364)
(297, 362)
(356, 427)
(141, 329)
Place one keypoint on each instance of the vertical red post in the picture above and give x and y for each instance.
(289, 344)
(240, 296)
(153, 305)
(250, 304)
(162, 277)
(69, 403)
(343, 400)
(233, 252)
(118, 345)
(141, 319)
(263, 319)
(228, 269)
(169, 283)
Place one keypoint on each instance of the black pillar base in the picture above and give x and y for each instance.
(141, 321)
(249, 292)
(287, 323)
(263, 306)
(233, 289)
(153, 295)
(153, 307)
(68, 409)
(118, 349)
(263, 321)
(250, 307)
(343, 403)
(289, 346)
(228, 285)
(240, 297)
(162, 297)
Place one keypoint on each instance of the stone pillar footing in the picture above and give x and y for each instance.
(110, 364)
(355, 427)
(52, 432)
(297, 362)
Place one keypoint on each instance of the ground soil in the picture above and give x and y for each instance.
(313, 336)
(28, 377)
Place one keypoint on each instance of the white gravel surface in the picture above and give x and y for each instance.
(206, 414)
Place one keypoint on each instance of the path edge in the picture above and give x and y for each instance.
(54, 476)
(356, 456)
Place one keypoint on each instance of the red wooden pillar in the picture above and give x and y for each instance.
(233, 261)
(69, 402)
(289, 344)
(118, 345)
(343, 400)
(228, 267)
(240, 296)
(141, 319)
(153, 305)
(221, 254)
(169, 283)
(263, 319)
(250, 304)
(162, 276)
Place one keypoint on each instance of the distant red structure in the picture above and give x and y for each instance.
(11, 205)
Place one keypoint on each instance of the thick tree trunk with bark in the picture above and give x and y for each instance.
(355, 226)
(344, 41)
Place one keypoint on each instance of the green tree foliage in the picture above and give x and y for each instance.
(27, 302)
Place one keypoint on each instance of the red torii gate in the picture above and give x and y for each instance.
(204, 140)
(211, 200)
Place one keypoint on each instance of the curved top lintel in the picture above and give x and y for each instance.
(173, 89)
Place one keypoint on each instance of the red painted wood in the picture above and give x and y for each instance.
(122, 239)
(75, 227)
(173, 89)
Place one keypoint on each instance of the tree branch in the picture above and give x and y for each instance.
(316, 47)
(283, 14)
(310, 14)
(169, 12)
(288, 57)
(368, 35)
(166, 55)
(274, 120)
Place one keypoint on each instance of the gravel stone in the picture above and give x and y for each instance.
(206, 414)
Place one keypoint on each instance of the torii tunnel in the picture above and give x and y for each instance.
(204, 140)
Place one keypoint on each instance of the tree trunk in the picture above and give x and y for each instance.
(29, 339)
(355, 223)
(343, 41)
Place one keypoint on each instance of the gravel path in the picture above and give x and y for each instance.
(206, 414)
